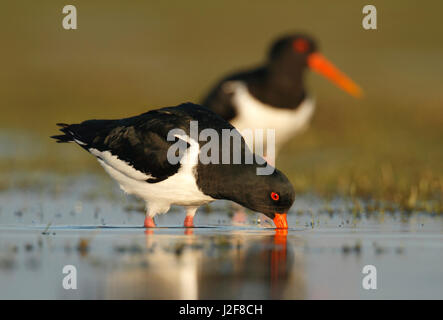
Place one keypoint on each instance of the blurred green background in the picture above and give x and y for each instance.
(130, 56)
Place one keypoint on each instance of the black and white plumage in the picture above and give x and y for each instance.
(134, 151)
(273, 95)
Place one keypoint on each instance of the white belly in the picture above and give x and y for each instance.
(179, 189)
(254, 114)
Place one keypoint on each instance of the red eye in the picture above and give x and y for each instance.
(275, 196)
(300, 45)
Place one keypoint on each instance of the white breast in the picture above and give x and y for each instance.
(179, 189)
(254, 114)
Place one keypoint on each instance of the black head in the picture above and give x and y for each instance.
(292, 50)
(296, 47)
(272, 195)
(291, 55)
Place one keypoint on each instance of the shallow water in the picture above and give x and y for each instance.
(85, 221)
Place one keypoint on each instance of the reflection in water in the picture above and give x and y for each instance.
(121, 260)
(279, 263)
(234, 265)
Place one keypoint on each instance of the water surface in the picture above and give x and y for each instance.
(87, 222)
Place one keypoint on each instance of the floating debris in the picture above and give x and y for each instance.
(83, 247)
(356, 249)
(45, 232)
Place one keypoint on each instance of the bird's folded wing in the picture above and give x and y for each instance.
(137, 147)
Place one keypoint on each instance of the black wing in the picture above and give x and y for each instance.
(140, 141)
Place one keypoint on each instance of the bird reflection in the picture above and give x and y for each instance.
(279, 262)
(192, 263)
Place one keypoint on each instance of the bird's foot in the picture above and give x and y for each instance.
(189, 222)
(149, 222)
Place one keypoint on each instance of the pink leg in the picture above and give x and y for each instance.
(189, 222)
(149, 222)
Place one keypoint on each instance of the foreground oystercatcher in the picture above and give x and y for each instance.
(136, 152)
(273, 96)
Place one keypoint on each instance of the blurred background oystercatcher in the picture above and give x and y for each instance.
(135, 152)
(273, 95)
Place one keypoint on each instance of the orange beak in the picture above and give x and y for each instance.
(280, 221)
(320, 64)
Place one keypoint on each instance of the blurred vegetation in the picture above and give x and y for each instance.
(130, 56)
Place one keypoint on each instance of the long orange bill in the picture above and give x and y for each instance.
(320, 64)
(280, 221)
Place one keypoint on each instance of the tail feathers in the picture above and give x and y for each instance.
(84, 133)
(68, 136)
(63, 138)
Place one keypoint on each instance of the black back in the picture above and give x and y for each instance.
(141, 141)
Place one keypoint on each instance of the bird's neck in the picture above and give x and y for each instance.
(235, 187)
(280, 87)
